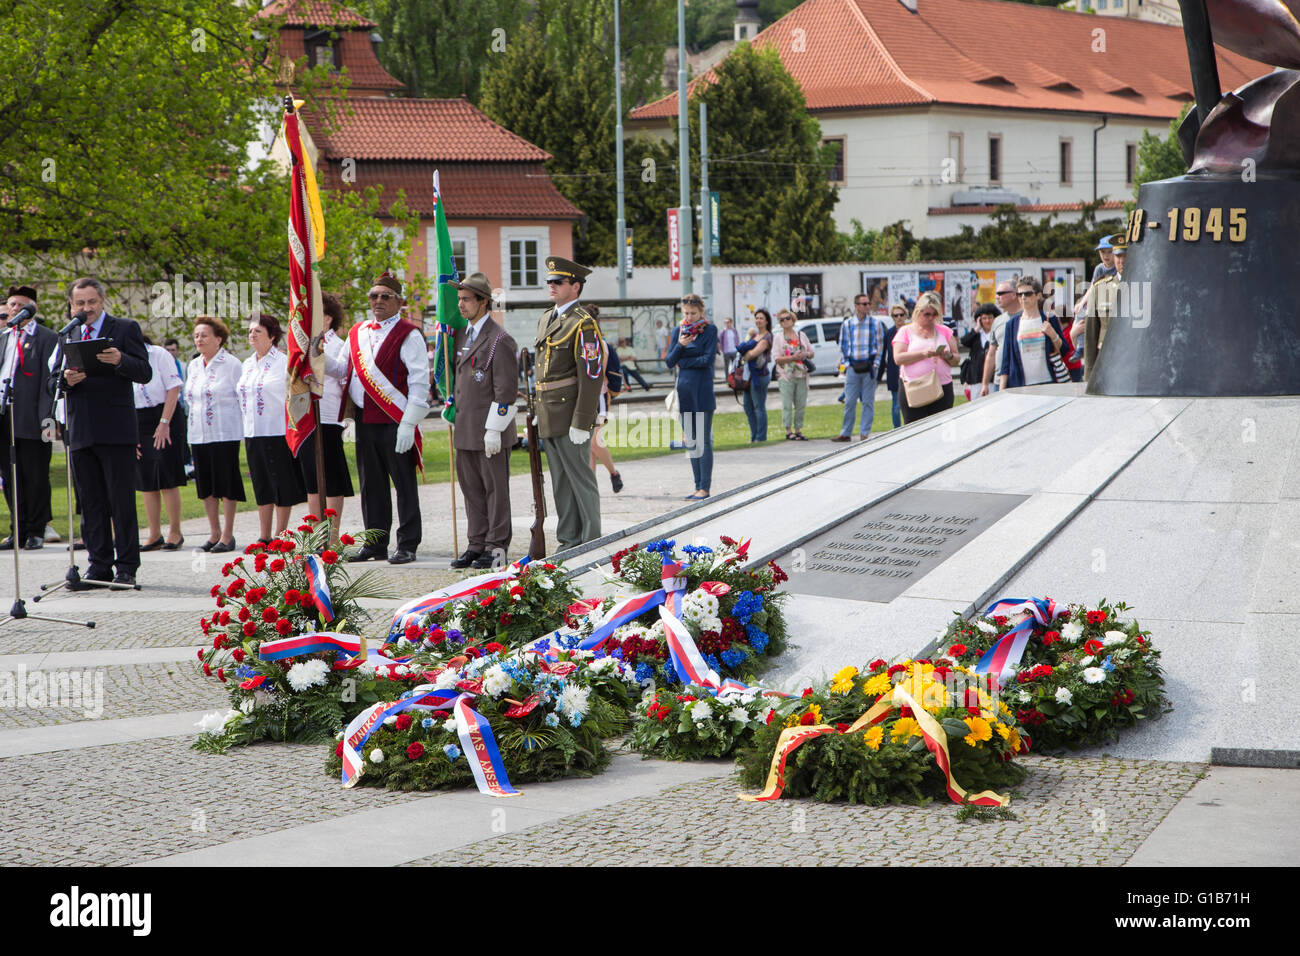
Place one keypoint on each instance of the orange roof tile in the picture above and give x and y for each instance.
(470, 190)
(861, 54)
(313, 13)
(429, 130)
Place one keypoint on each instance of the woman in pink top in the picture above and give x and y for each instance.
(925, 345)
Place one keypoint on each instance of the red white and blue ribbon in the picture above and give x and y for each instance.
(319, 586)
(412, 611)
(1003, 658)
(349, 645)
(686, 657)
(477, 741)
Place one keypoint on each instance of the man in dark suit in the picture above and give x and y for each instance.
(102, 434)
(26, 407)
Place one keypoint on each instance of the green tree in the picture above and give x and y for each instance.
(127, 126)
(1160, 157)
(1012, 236)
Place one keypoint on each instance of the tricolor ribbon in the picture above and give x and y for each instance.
(932, 732)
(478, 743)
(412, 611)
(319, 585)
(349, 645)
(1003, 658)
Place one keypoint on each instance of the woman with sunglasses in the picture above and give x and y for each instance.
(1030, 340)
(757, 352)
(791, 349)
(924, 346)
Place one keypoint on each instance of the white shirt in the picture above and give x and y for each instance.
(475, 331)
(165, 378)
(262, 387)
(414, 353)
(213, 393)
(14, 340)
(336, 369)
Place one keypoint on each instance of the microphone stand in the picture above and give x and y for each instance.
(18, 610)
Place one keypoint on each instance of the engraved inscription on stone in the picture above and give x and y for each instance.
(878, 554)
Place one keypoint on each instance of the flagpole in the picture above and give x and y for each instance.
(451, 443)
(321, 494)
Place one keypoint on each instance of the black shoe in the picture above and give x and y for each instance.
(209, 545)
(222, 547)
(7, 544)
(401, 557)
(617, 481)
(168, 546)
(34, 543)
(369, 553)
(104, 577)
(124, 578)
(466, 560)
(488, 560)
(152, 545)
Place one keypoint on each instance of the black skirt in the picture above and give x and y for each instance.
(276, 480)
(155, 469)
(910, 414)
(338, 480)
(216, 470)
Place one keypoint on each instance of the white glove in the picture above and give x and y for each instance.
(578, 436)
(406, 428)
(491, 442)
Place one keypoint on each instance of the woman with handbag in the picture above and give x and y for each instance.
(790, 350)
(757, 352)
(926, 353)
(1031, 343)
(691, 351)
(977, 342)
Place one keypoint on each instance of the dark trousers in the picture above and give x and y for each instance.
(485, 485)
(33, 460)
(940, 404)
(631, 372)
(378, 464)
(105, 477)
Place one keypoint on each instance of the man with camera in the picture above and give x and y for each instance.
(26, 411)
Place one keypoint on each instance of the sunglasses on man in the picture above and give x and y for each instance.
(383, 296)
(556, 281)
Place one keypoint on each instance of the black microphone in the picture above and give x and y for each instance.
(77, 320)
(22, 315)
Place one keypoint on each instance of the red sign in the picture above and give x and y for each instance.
(674, 247)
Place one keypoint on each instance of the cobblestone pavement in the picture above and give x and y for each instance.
(131, 690)
(125, 803)
(1071, 812)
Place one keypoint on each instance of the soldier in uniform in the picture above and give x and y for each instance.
(487, 384)
(570, 370)
(1103, 305)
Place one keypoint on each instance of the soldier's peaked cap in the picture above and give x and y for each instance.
(1119, 242)
(557, 267)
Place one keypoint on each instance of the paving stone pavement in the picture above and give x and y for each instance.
(126, 803)
(1070, 812)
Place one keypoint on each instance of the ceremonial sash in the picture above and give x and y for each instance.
(379, 389)
(412, 611)
(932, 732)
(319, 586)
(1003, 658)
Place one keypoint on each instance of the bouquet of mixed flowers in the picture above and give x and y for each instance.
(549, 717)
(268, 594)
(734, 615)
(693, 723)
(1082, 678)
(885, 734)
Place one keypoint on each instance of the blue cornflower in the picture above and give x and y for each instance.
(427, 723)
(600, 652)
(747, 605)
(732, 657)
(542, 644)
(452, 752)
(455, 636)
(644, 672)
(661, 547)
(712, 662)
(670, 674)
(243, 672)
(551, 720)
(757, 639)
(617, 652)
(1108, 665)
(575, 719)
(694, 550)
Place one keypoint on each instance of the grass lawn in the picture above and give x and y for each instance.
(644, 433)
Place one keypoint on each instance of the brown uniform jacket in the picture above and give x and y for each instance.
(475, 400)
(570, 371)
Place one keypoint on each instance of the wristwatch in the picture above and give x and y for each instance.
(163, 421)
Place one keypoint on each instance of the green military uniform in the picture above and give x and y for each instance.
(570, 371)
(1103, 305)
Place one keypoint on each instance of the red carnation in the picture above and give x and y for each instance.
(473, 652)
(225, 569)
(347, 539)
(250, 629)
(219, 641)
(403, 722)
(438, 635)
(221, 674)
(807, 719)
(329, 557)
(200, 653)
(207, 669)
(1096, 617)
(492, 647)
(238, 654)
(207, 628)
(215, 589)
(516, 591)
(1140, 639)
(259, 563)
(905, 712)
(331, 513)
(875, 664)
(841, 727)
(235, 587)
(269, 614)
(225, 617)
(957, 650)
(1093, 647)
(1051, 637)
(338, 751)
(415, 751)
(277, 565)
(283, 626)
(412, 632)
(221, 601)
(305, 601)
(305, 528)
(897, 669)
(999, 620)
(807, 692)
(291, 597)
(505, 619)
(310, 517)
(243, 614)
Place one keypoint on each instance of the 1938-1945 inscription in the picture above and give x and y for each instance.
(878, 554)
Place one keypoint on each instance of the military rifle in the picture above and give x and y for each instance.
(537, 541)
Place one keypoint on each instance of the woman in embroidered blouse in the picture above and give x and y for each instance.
(338, 480)
(277, 482)
(216, 426)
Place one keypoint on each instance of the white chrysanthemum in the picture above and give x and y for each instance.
(1072, 632)
(701, 710)
(1113, 637)
(366, 669)
(390, 720)
(700, 608)
(216, 721)
(1023, 696)
(401, 669)
(1063, 696)
(986, 627)
(376, 756)
(307, 674)
(603, 665)
(573, 700)
(656, 631)
(1094, 675)
(496, 681)
(708, 623)
(1087, 660)
(247, 704)
(451, 726)
(447, 679)
(629, 630)
(739, 714)
(544, 582)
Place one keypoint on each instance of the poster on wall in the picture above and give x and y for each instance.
(806, 295)
(985, 286)
(903, 287)
(875, 286)
(1008, 275)
(957, 297)
(931, 282)
(758, 290)
(1058, 286)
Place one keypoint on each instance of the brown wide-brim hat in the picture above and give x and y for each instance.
(557, 267)
(389, 281)
(477, 283)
